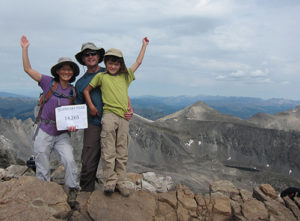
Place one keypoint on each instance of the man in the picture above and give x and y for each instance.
(91, 56)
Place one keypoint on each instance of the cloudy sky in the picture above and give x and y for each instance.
(197, 47)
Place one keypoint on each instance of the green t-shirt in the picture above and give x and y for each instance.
(114, 90)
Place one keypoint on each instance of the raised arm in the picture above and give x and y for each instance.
(140, 57)
(26, 63)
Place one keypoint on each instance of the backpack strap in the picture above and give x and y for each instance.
(61, 95)
(73, 94)
(52, 91)
(44, 99)
(53, 87)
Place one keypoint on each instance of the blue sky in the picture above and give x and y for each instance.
(197, 47)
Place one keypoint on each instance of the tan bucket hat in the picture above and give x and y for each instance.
(114, 52)
(117, 53)
(65, 60)
(89, 46)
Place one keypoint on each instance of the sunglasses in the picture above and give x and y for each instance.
(87, 54)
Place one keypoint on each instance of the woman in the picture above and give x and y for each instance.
(47, 137)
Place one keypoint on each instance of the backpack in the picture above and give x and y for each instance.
(43, 99)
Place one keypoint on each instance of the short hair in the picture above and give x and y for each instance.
(99, 52)
(112, 58)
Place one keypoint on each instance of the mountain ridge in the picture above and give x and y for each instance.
(198, 146)
(154, 108)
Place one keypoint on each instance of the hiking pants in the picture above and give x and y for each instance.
(43, 146)
(90, 157)
(114, 148)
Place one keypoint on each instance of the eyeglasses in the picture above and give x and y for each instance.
(87, 54)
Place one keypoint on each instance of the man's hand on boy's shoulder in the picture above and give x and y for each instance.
(129, 114)
(94, 111)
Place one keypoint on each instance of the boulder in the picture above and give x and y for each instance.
(14, 171)
(134, 177)
(186, 197)
(278, 212)
(222, 209)
(268, 190)
(27, 198)
(140, 205)
(254, 210)
(292, 205)
(224, 187)
(165, 212)
(169, 198)
(160, 183)
(58, 175)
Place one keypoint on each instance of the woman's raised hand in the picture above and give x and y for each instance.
(24, 42)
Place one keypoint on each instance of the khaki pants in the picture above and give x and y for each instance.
(114, 148)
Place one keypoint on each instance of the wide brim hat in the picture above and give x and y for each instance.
(114, 52)
(89, 46)
(62, 61)
(117, 53)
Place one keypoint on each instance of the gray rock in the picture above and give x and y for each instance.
(148, 186)
(160, 183)
(14, 171)
(27, 198)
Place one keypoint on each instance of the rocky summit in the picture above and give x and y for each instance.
(193, 148)
(24, 197)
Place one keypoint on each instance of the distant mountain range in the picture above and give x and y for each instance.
(153, 108)
(6, 94)
(195, 146)
(243, 107)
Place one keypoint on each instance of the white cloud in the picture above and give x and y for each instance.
(196, 46)
(259, 73)
(220, 77)
(233, 37)
(285, 82)
(237, 74)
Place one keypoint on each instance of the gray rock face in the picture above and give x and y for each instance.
(15, 140)
(7, 153)
(187, 145)
(195, 146)
(288, 120)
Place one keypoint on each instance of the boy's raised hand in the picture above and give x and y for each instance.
(24, 41)
(140, 57)
(145, 40)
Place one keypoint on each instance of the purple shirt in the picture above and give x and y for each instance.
(48, 112)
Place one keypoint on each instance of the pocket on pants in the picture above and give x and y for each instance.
(105, 141)
(103, 134)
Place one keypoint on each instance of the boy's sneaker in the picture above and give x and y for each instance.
(72, 195)
(123, 190)
(109, 189)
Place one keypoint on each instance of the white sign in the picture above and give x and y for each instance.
(71, 115)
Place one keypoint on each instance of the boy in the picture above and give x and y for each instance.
(114, 85)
